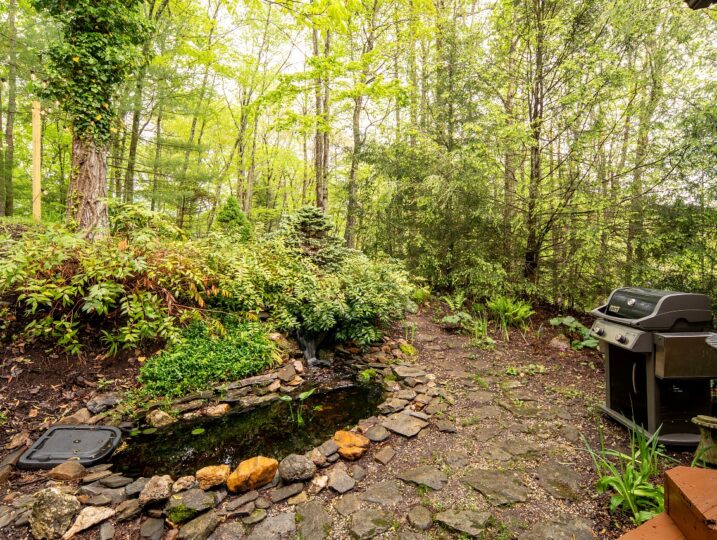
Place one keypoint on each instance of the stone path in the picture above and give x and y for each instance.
(462, 449)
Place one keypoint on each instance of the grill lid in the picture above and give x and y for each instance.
(651, 309)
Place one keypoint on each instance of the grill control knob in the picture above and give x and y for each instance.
(620, 338)
(599, 331)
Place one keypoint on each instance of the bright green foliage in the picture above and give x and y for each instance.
(136, 221)
(233, 220)
(144, 287)
(509, 312)
(207, 354)
(311, 233)
(100, 48)
(580, 334)
(630, 477)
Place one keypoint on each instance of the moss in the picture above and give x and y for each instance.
(180, 513)
(408, 349)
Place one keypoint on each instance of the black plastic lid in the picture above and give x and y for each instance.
(89, 445)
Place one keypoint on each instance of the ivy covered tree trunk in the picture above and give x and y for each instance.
(87, 196)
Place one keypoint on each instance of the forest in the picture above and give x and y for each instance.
(550, 149)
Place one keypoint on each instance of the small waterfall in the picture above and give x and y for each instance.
(309, 345)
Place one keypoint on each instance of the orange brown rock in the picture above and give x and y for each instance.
(252, 473)
(215, 475)
(351, 445)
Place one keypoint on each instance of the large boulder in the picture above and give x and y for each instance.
(252, 473)
(188, 504)
(294, 468)
(52, 513)
(351, 445)
(214, 475)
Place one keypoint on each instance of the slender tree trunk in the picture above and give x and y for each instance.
(2, 153)
(86, 199)
(251, 177)
(533, 242)
(352, 208)
(157, 155)
(134, 136)
(11, 109)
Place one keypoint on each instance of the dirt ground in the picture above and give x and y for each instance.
(517, 407)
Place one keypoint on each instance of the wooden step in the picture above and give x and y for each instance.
(658, 528)
(691, 501)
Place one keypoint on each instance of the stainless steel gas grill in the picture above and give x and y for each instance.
(658, 365)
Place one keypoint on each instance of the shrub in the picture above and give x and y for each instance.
(207, 354)
(137, 287)
(510, 312)
(233, 220)
(310, 232)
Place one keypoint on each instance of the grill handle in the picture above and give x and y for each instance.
(634, 384)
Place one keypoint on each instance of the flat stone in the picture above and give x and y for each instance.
(420, 517)
(377, 434)
(425, 476)
(357, 472)
(348, 504)
(255, 517)
(444, 426)
(262, 503)
(99, 500)
(81, 416)
(408, 371)
(107, 531)
(385, 455)
(498, 487)
(250, 402)
(212, 476)
(95, 476)
(385, 493)
(152, 529)
(228, 531)
(52, 513)
(279, 527)
(570, 433)
(340, 481)
(328, 448)
(69, 470)
(405, 425)
(128, 510)
(488, 412)
(188, 504)
(464, 521)
(234, 504)
(116, 481)
(495, 453)
(407, 394)
(136, 487)
(368, 523)
(216, 411)
(295, 467)
(423, 399)
(298, 499)
(563, 527)
(316, 457)
(200, 528)
(457, 459)
(392, 405)
(314, 521)
(282, 493)
(561, 481)
(87, 518)
(286, 373)
(436, 407)
(117, 495)
(157, 489)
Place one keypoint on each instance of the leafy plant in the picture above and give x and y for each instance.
(580, 334)
(296, 414)
(456, 301)
(629, 477)
(204, 356)
(233, 220)
(367, 375)
(478, 329)
(510, 312)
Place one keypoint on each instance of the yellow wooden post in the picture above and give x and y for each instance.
(36, 162)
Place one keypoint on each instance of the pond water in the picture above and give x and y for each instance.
(267, 431)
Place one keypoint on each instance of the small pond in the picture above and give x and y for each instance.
(267, 431)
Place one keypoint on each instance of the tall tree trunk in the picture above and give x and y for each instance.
(352, 208)
(251, 176)
(86, 199)
(533, 242)
(134, 136)
(11, 109)
(321, 147)
(157, 154)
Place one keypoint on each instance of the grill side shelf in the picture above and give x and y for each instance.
(685, 355)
